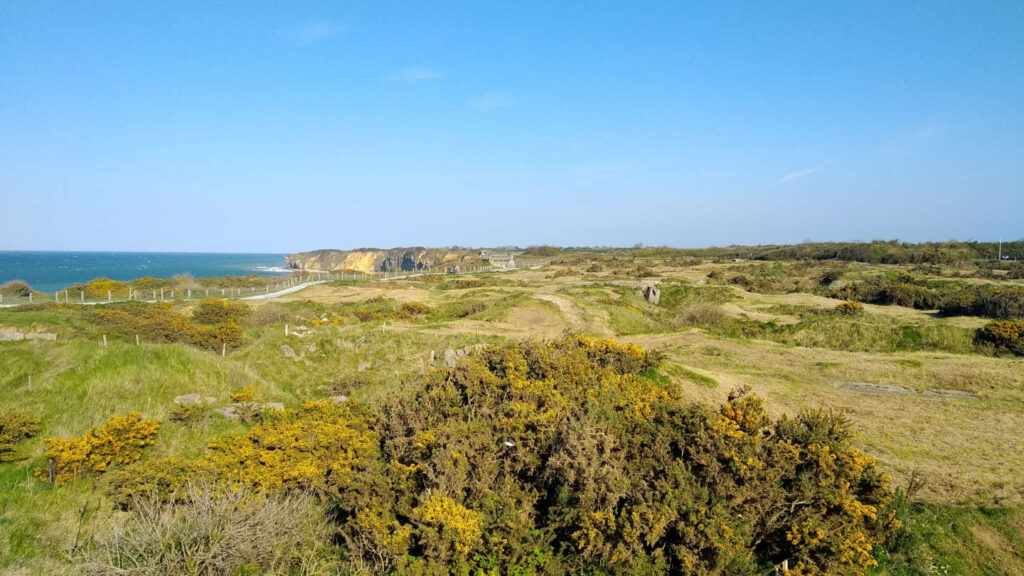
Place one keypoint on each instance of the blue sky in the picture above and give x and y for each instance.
(285, 126)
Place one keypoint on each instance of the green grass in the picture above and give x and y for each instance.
(953, 539)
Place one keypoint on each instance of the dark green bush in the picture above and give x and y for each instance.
(15, 289)
(14, 428)
(217, 311)
(988, 301)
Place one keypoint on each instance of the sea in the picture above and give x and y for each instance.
(53, 271)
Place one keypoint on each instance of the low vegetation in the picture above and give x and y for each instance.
(572, 455)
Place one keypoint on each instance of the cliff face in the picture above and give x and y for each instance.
(406, 259)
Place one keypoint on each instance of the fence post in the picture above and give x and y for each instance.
(29, 297)
(104, 340)
(82, 294)
(223, 349)
(108, 295)
(285, 329)
(190, 294)
(136, 339)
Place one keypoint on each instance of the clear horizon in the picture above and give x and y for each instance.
(269, 128)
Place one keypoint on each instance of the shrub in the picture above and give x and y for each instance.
(313, 449)
(716, 274)
(14, 428)
(883, 292)
(595, 268)
(740, 280)
(245, 395)
(849, 308)
(1002, 336)
(217, 311)
(988, 301)
(829, 277)
(15, 289)
(411, 310)
(190, 413)
(119, 441)
(564, 454)
(162, 479)
(542, 251)
(100, 287)
(216, 532)
(158, 322)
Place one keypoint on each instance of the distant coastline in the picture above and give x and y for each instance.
(52, 271)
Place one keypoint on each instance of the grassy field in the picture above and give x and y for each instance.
(942, 418)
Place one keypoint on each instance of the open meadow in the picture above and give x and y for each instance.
(940, 410)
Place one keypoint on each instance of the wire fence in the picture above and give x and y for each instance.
(297, 281)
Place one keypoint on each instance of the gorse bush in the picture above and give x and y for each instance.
(15, 427)
(1002, 336)
(101, 287)
(119, 441)
(849, 308)
(158, 322)
(570, 456)
(217, 311)
(314, 449)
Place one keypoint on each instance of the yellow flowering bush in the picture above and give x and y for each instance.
(120, 441)
(316, 448)
(1002, 336)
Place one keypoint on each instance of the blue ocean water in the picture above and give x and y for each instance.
(52, 271)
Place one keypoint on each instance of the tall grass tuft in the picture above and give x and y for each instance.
(216, 532)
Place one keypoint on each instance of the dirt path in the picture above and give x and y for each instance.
(572, 314)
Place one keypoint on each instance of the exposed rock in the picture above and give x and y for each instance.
(273, 406)
(652, 294)
(194, 399)
(363, 365)
(287, 350)
(371, 260)
(229, 412)
(870, 388)
(339, 399)
(451, 357)
(12, 334)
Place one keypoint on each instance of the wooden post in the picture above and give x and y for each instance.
(207, 292)
(104, 340)
(190, 294)
(108, 295)
(223, 349)
(136, 339)
(29, 297)
(82, 294)
(161, 294)
(30, 381)
(285, 329)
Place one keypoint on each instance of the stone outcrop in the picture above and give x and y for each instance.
(12, 334)
(652, 294)
(373, 260)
